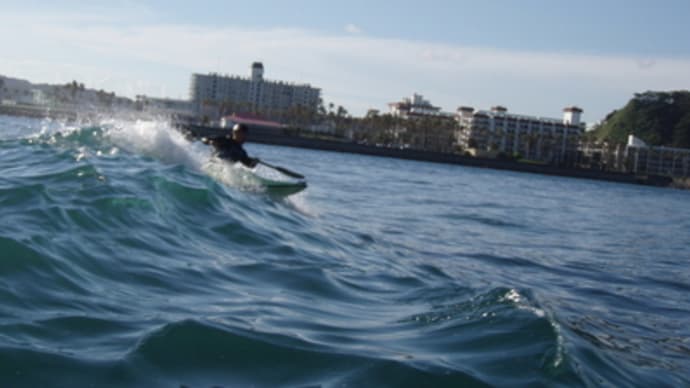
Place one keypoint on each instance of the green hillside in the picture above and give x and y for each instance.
(658, 118)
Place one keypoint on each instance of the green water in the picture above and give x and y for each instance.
(128, 257)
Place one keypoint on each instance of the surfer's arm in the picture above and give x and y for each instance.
(249, 162)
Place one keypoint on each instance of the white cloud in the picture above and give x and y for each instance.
(353, 70)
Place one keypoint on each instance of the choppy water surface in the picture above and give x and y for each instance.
(127, 258)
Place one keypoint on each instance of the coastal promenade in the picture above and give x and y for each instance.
(274, 137)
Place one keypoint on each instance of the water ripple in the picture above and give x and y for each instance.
(127, 260)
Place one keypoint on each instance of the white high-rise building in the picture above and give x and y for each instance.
(253, 94)
(536, 138)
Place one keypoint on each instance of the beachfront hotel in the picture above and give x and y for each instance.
(416, 107)
(252, 94)
(536, 138)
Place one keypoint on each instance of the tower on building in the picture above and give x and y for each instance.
(571, 115)
(257, 71)
(465, 111)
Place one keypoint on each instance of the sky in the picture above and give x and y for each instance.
(534, 57)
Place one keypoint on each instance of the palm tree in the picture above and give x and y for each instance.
(321, 109)
(532, 141)
(551, 144)
(499, 145)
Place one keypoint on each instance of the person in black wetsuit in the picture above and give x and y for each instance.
(231, 148)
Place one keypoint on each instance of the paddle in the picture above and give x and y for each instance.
(283, 170)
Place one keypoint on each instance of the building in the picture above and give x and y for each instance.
(230, 94)
(531, 137)
(19, 92)
(165, 106)
(416, 107)
(422, 125)
(636, 157)
(72, 96)
(641, 158)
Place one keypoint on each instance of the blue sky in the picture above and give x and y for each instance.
(533, 56)
(630, 26)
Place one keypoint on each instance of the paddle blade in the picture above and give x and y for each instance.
(290, 173)
(283, 170)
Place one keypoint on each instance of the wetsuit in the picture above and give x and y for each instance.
(229, 149)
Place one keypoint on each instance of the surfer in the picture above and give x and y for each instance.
(230, 148)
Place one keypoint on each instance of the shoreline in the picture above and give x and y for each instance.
(271, 136)
(37, 112)
(681, 183)
(276, 137)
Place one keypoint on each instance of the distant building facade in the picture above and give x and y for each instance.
(422, 125)
(253, 94)
(72, 96)
(535, 138)
(644, 159)
(165, 106)
(416, 107)
(636, 157)
(16, 91)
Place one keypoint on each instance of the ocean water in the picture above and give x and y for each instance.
(129, 257)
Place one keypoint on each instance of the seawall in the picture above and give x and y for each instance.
(277, 137)
(36, 112)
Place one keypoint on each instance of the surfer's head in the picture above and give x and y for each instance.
(239, 133)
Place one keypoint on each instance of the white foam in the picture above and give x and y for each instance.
(82, 154)
(231, 174)
(299, 202)
(514, 296)
(157, 139)
(518, 300)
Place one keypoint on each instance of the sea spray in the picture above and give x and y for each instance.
(155, 139)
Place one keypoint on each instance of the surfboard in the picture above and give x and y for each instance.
(272, 186)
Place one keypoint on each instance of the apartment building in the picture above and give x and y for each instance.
(531, 137)
(253, 94)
